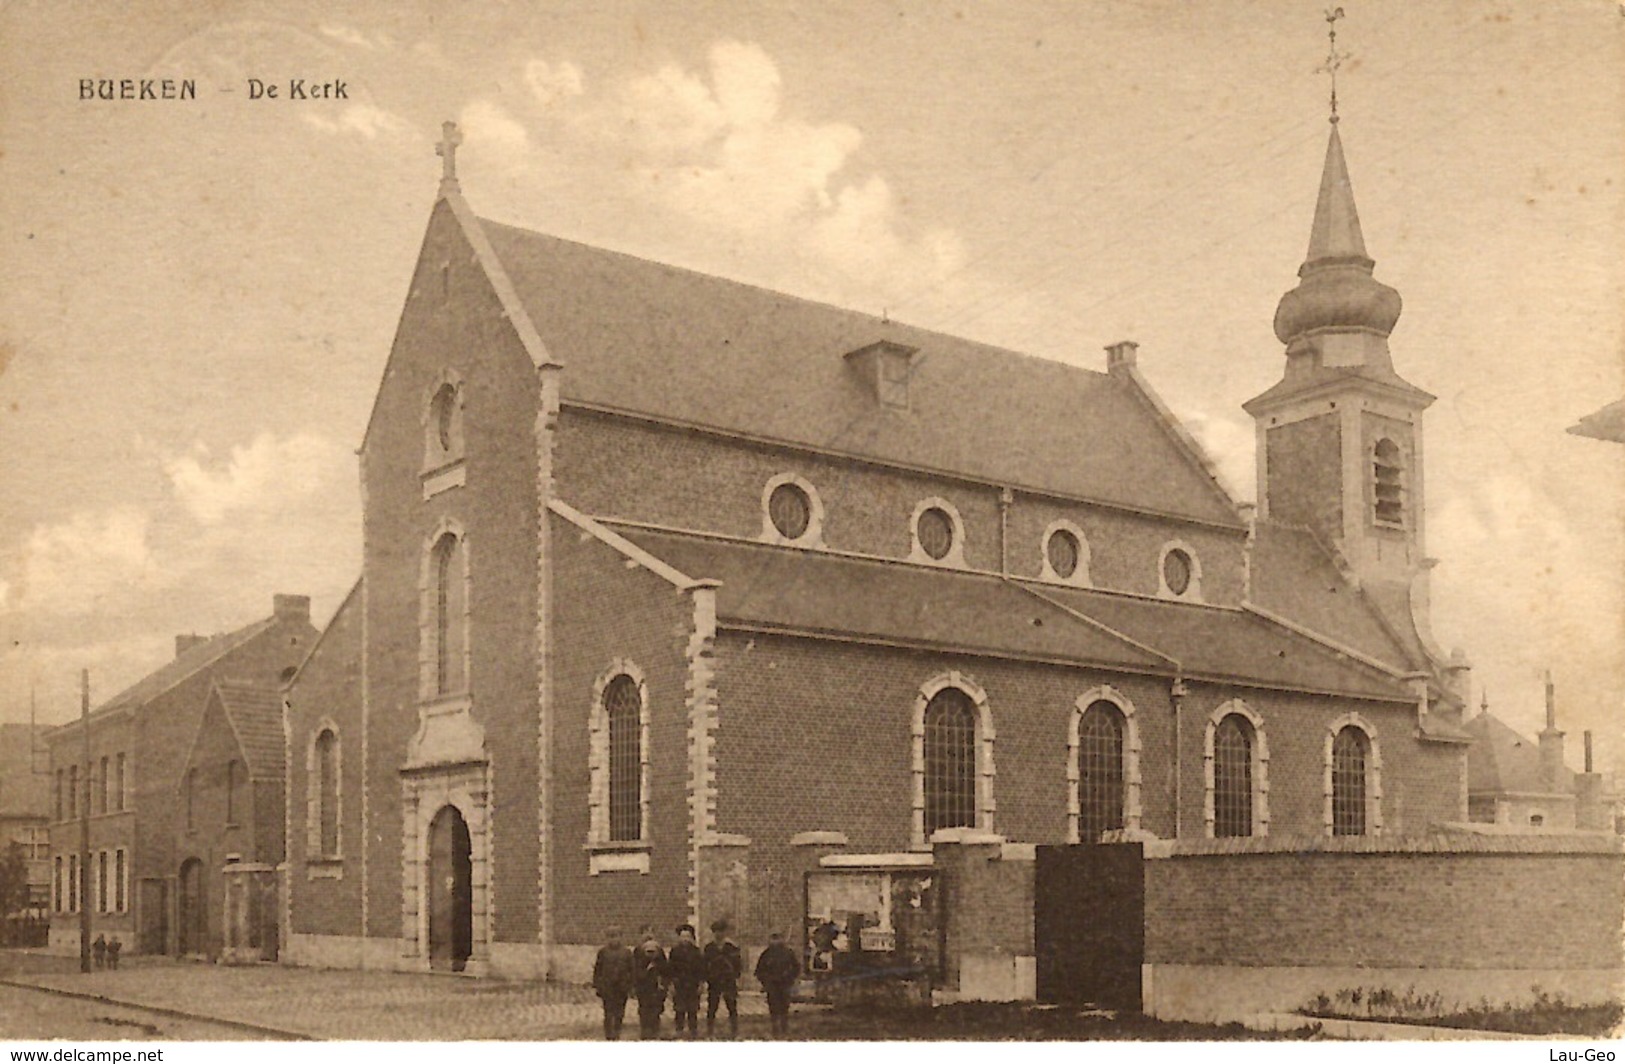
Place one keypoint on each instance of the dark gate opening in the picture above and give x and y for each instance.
(1089, 924)
(192, 920)
(451, 895)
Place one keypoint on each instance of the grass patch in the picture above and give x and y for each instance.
(1546, 1014)
(982, 1021)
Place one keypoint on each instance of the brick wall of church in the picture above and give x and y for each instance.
(604, 613)
(454, 321)
(613, 467)
(1305, 463)
(326, 896)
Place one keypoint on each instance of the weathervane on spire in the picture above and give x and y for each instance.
(1334, 58)
(447, 150)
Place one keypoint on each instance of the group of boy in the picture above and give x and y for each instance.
(648, 973)
(106, 951)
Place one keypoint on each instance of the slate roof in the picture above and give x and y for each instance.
(1294, 576)
(647, 338)
(1503, 761)
(808, 591)
(180, 668)
(1297, 381)
(255, 713)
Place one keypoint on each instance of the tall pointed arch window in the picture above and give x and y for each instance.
(327, 793)
(1388, 487)
(1101, 790)
(447, 627)
(1233, 777)
(623, 710)
(1351, 751)
(950, 761)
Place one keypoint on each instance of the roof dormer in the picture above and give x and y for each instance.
(886, 366)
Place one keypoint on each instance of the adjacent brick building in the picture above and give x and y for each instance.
(141, 743)
(674, 587)
(25, 810)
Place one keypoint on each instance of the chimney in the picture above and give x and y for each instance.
(1121, 356)
(1551, 741)
(183, 643)
(291, 607)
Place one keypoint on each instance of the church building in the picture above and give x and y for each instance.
(675, 588)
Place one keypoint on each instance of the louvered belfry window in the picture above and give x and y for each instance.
(1349, 755)
(1100, 771)
(623, 706)
(1233, 778)
(1387, 484)
(950, 761)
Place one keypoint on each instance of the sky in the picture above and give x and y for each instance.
(197, 297)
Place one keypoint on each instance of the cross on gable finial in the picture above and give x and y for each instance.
(1334, 58)
(450, 137)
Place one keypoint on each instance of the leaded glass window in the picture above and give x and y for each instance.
(1350, 751)
(1233, 778)
(327, 793)
(449, 607)
(1100, 771)
(950, 761)
(623, 707)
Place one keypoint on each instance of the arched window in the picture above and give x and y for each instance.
(950, 761)
(326, 757)
(1388, 489)
(1351, 748)
(1233, 777)
(1101, 777)
(623, 712)
(103, 779)
(234, 771)
(73, 792)
(120, 783)
(448, 609)
(189, 797)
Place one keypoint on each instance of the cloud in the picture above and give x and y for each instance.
(83, 562)
(261, 477)
(1232, 445)
(553, 83)
(363, 119)
(355, 38)
(491, 130)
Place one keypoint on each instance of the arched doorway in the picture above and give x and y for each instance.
(451, 899)
(192, 915)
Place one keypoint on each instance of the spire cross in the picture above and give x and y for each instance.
(1334, 58)
(447, 150)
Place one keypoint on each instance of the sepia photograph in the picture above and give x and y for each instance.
(728, 521)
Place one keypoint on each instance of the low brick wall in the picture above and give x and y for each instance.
(1234, 927)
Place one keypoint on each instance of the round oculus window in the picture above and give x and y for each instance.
(1176, 571)
(935, 531)
(790, 510)
(1062, 550)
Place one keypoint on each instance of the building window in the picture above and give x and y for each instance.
(444, 441)
(792, 512)
(58, 886)
(938, 533)
(1179, 573)
(189, 787)
(950, 761)
(1537, 820)
(1233, 778)
(119, 783)
(447, 609)
(101, 882)
(1388, 487)
(623, 708)
(325, 773)
(121, 882)
(618, 747)
(234, 770)
(952, 757)
(57, 793)
(1236, 772)
(73, 792)
(895, 370)
(1100, 771)
(1066, 554)
(1353, 778)
(75, 885)
(104, 783)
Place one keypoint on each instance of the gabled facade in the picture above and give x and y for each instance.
(674, 587)
(140, 740)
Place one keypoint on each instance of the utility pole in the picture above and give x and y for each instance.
(84, 825)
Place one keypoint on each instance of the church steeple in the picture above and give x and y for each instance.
(1336, 230)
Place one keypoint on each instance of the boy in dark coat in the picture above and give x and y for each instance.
(649, 982)
(777, 969)
(686, 965)
(612, 981)
(724, 964)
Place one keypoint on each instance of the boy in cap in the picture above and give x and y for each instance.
(612, 981)
(686, 965)
(777, 970)
(649, 982)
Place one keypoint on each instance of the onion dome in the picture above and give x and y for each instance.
(1336, 289)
